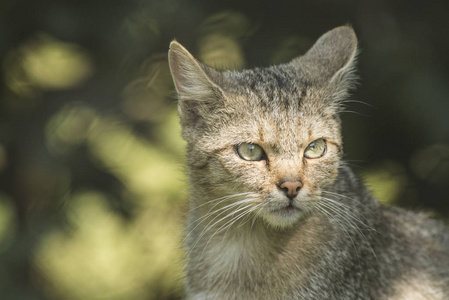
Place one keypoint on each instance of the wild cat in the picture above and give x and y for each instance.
(274, 211)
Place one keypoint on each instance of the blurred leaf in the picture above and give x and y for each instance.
(70, 127)
(387, 180)
(147, 171)
(46, 63)
(221, 52)
(104, 258)
(229, 23)
(146, 96)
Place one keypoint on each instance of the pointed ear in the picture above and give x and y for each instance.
(197, 88)
(332, 57)
(192, 79)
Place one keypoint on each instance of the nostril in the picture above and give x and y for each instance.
(284, 189)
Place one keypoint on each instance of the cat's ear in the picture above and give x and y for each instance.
(332, 57)
(192, 79)
(196, 85)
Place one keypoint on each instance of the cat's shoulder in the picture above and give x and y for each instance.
(420, 226)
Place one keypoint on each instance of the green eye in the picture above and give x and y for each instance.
(252, 152)
(315, 149)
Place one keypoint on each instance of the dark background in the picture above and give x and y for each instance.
(91, 181)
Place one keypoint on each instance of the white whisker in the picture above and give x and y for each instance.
(224, 198)
(336, 219)
(348, 198)
(345, 214)
(223, 226)
(226, 226)
(225, 209)
(210, 213)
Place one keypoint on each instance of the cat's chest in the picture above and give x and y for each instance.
(245, 264)
(228, 257)
(237, 270)
(229, 269)
(230, 260)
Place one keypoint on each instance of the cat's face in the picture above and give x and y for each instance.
(283, 156)
(270, 135)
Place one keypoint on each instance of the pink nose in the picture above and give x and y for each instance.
(291, 188)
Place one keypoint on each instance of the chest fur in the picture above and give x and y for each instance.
(244, 266)
(225, 261)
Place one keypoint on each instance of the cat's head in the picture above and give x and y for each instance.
(270, 134)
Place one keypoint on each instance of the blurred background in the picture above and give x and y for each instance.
(92, 189)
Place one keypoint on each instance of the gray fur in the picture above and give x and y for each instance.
(336, 241)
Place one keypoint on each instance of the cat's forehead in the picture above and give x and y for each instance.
(275, 106)
(269, 84)
(275, 90)
(280, 77)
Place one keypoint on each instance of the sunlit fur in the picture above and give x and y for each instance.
(244, 238)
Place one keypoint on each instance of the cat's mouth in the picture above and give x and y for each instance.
(283, 216)
(287, 210)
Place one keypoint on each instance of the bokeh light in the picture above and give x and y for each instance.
(147, 170)
(43, 62)
(387, 180)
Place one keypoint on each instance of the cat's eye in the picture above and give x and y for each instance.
(248, 151)
(315, 149)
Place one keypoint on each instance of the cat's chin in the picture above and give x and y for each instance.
(283, 217)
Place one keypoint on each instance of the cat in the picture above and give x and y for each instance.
(274, 211)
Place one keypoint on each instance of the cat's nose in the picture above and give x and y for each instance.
(291, 188)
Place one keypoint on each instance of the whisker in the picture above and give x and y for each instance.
(369, 209)
(226, 226)
(256, 215)
(209, 214)
(357, 101)
(229, 207)
(349, 208)
(351, 217)
(220, 229)
(343, 211)
(251, 210)
(330, 216)
(228, 197)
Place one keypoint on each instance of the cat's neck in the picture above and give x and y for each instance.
(254, 251)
